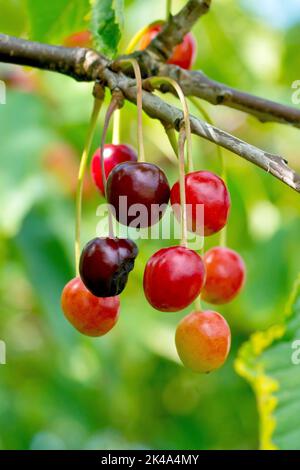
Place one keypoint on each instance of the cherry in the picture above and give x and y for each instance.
(225, 275)
(79, 39)
(203, 187)
(203, 341)
(105, 264)
(143, 184)
(113, 155)
(92, 316)
(173, 278)
(183, 54)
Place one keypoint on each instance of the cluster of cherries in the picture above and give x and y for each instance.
(174, 277)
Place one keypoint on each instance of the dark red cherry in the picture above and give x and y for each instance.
(173, 278)
(225, 275)
(105, 264)
(206, 189)
(113, 155)
(139, 193)
(92, 316)
(79, 39)
(203, 341)
(183, 54)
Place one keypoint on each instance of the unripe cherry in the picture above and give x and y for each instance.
(90, 315)
(203, 341)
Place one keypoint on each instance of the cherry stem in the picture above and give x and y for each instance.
(113, 107)
(197, 304)
(157, 82)
(116, 137)
(181, 146)
(223, 173)
(139, 102)
(171, 134)
(168, 9)
(80, 180)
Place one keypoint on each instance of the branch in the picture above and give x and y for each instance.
(196, 83)
(88, 65)
(176, 28)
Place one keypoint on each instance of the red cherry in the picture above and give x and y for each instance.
(113, 155)
(92, 316)
(142, 184)
(105, 264)
(79, 39)
(173, 278)
(203, 187)
(203, 341)
(183, 54)
(225, 275)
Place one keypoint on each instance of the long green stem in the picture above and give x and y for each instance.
(116, 137)
(168, 9)
(158, 81)
(199, 107)
(181, 145)
(139, 102)
(81, 173)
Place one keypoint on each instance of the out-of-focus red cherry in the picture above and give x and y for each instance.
(225, 275)
(183, 54)
(79, 39)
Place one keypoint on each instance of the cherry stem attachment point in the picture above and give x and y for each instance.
(139, 102)
(197, 304)
(181, 146)
(156, 82)
(80, 181)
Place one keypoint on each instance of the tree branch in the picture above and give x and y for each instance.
(176, 28)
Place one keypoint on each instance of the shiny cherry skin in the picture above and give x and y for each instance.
(113, 155)
(203, 341)
(183, 54)
(225, 275)
(139, 183)
(90, 315)
(207, 189)
(173, 278)
(79, 39)
(105, 264)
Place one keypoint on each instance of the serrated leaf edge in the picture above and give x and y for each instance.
(263, 385)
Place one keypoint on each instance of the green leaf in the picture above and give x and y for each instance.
(54, 20)
(107, 25)
(268, 362)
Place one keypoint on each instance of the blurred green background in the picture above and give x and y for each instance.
(60, 390)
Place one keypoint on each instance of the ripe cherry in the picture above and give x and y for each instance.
(203, 341)
(105, 264)
(225, 275)
(79, 39)
(144, 191)
(173, 278)
(113, 155)
(92, 316)
(207, 189)
(183, 54)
